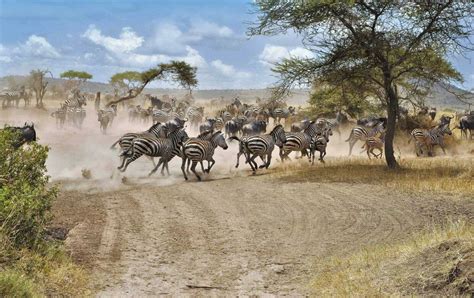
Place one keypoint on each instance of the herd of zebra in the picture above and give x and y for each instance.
(71, 111)
(169, 139)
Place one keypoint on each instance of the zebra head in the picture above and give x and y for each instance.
(445, 130)
(218, 139)
(278, 134)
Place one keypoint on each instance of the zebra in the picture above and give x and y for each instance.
(262, 146)
(430, 138)
(372, 143)
(160, 116)
(195, 115)
(156, 130)
(319, 143)
(299, 141)
(152, 146)
(60, 115)
(282, 113)
(360, 133)
(199, 150)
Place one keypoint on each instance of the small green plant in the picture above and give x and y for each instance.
(25, 198)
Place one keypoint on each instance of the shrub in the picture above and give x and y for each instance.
(25, 199)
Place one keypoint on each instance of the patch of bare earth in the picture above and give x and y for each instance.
(241, 236)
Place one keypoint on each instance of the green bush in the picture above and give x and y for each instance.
(25, 199)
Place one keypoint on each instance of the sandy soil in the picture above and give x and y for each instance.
(234, 234)
(241, 236)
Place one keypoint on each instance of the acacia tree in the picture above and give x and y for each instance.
(75, 78)
(384, 43)
(133, 82)
(38, 84)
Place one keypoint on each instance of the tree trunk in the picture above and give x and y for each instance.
(392, 109)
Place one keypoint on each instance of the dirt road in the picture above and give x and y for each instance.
(240, 236)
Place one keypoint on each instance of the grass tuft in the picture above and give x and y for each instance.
(430, 263)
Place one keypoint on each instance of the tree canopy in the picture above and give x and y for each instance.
(387, 45)
(76, 75)
(134, 82)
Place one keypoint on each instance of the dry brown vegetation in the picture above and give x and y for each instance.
(452, 175)
(436, 262)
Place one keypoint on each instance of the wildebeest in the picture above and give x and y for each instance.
(254, 128)
(466, 123)
(372, 121)
(234, 126)
(300, 126)
(24, 134)
(208, 125)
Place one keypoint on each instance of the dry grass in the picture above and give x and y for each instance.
(451, 175)
(438, 262)
(45, 272)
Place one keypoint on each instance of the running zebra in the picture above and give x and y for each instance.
(430, 138)
(152, 146)
(372, 143)
(359, 133)
(199, 150)
(319, 143)
(156, 130)
(262, 146)
(299, 141)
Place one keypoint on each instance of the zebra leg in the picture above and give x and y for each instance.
(153, 160)
(183, 166)
(202, 166)
(129, 161)
(210, 165)
(189, 165)
(351, 144)
(253, 164)
(156, 167)
(321, 156)
(264, 163)
(238, 157)
(193, 169)
(269, 159)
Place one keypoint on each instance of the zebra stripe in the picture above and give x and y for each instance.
(261, 145)
(430, 138)
(299, 141)
(198, 150)
(154, 147)
(156, 130)
(359, 133)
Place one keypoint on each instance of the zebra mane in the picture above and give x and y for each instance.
(153, 126)
(204, 134)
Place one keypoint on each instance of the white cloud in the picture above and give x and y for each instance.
(272, 54)
(37, 46)
(3, 55)
(89, 56)
(206, 29)
(127, 42)
(172, 39)
(229, 70)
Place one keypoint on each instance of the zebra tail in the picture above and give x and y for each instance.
(114, 144)
(130, 150)
(350, 136)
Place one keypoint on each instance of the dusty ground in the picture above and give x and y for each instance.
(239, 236)
(234, 234)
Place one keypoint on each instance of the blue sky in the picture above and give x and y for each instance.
(104, 37)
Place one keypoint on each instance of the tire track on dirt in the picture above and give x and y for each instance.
(246, 236)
